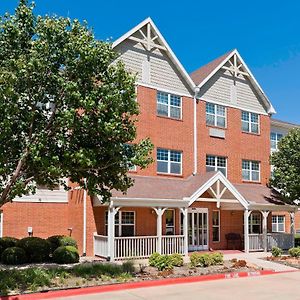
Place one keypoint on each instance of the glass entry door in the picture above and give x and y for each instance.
(198, 229)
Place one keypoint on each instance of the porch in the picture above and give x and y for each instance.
(204, 216)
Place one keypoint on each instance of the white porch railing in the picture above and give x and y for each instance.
(135, 246)
(100, 245)
(172, 244)
(281, 240)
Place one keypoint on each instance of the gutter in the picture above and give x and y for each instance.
(84, 223)
(196, 91)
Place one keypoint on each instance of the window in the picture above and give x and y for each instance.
(216, 225)
(250, 170)
(216, 163)
(275, 138)
(255, 222)
(168, 105)
(124, 223)
(170, 221)
(278, 223)
(215, 115)
(169, 161)
(250, 122)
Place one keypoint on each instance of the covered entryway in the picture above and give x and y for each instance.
(197, 229)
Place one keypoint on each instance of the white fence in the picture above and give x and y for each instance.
(101, 245)
(281, 240)
(138, 246)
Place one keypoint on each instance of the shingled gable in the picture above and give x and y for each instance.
(156, 42)
(203, 74)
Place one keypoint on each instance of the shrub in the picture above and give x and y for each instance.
(176, 259)
(294, 252)
(37, 249)
(164, 262)
(128, 267)
(14, 256)
(66, 255)
(206, 259)
(7, 242)
(61, 240)
(217, 258)
(276, 251)
(153, 259)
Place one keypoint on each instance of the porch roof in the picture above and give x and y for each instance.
(178, 192)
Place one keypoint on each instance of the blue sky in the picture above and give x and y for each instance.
(266, 33)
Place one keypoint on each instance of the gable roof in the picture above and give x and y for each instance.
(203, 74)
(162, 41)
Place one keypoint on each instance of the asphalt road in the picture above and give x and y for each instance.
(279, 286)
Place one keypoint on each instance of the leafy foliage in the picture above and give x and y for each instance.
(165, 262)
(37, 249)
(176, 259)
(276, 251)
(7, 242)
(294, 252)
(61, 240)
(206, 259)
(68, 109)
(13, 256)
(286, 176)
(66, 255)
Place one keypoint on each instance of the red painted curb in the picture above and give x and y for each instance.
(139, 284)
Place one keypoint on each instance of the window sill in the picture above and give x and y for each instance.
(251, 133)
(169, 118)
(217, 127)
(169, 174)
(250, 181)
(216, 242)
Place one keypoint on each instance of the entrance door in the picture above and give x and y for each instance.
(198, 229)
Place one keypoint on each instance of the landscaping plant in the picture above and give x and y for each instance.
(7, 242)
(65, 255)
(276, 251)
(14, 256)
(294, 252)
(206, 259)
(61, 240)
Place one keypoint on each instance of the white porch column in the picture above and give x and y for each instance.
(265, 229)
(292, 217)
(185, 230)
(159, 212)
(246, 230)
(111, 231)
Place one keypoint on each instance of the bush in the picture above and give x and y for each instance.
(128, 267)
(37, 249)
(7, 242)
(61, 240)
(294, 252)
(14, 256)
(206, 259)
(176, 260)
(66, 255)
(297, 240)
(276, 251)
(153, 259)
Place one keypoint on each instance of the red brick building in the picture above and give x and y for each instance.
(207, 187)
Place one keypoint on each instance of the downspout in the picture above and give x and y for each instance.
(84, 223)
(196, 90)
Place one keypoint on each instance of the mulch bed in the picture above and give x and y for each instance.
(285, 260)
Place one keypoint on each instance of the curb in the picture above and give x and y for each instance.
(139, 284)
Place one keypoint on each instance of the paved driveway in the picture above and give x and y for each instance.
(280, 286)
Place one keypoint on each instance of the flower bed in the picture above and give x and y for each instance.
(291, 259)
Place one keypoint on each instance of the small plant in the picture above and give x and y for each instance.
(7, 242)
(128, 267)
(153, 259)
(37, 249)
(164, 262)
(276, 251)
(66, 255)
(176, 259)
(294, 252)
(14, 256)
(217, 258)
(61, 240)
(206, 259)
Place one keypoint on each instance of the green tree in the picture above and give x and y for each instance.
(67, 109)
(286, 161)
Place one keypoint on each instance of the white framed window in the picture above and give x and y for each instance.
(169, 105)
(251, 170)
(278, 223)
(169, 161)
(124, 223)
(170, 221)
(216, 225)
(216, 163)
(275, 138)
(255, 222)
(250, 122)
(215, 115)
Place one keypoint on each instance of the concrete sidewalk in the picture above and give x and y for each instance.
(256, 258)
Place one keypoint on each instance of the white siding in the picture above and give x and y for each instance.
(281, 130)
(220, 88)
(163, 73)
(45, 196)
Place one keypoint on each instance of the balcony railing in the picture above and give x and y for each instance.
(278, 239)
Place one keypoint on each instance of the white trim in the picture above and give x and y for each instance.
(219, 226)
(250, 170)
(45, 196)
(169, 105)
(169, 162)
(169, 51)
(250, 122)
(276, 224)
(163, 89)
(271, 109)
(216, 115)
(231, 105)
(1, 224)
